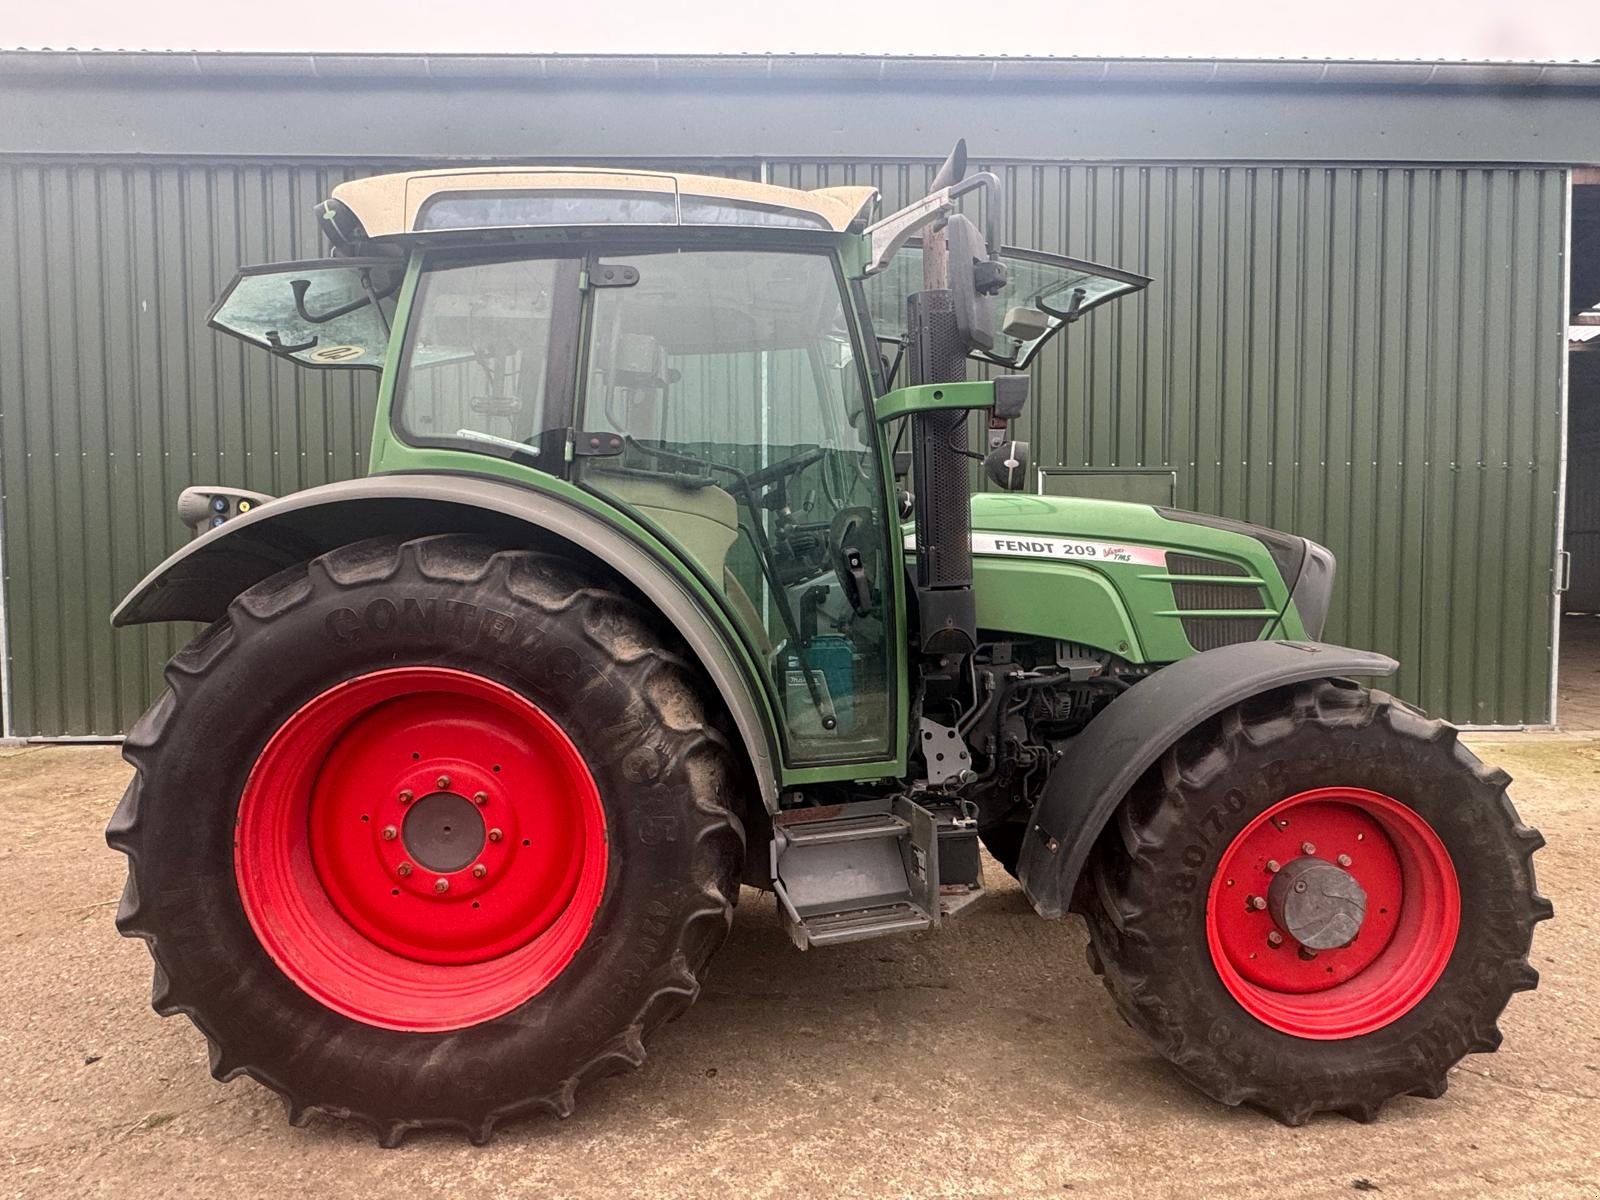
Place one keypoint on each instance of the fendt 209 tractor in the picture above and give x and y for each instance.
(670, 576)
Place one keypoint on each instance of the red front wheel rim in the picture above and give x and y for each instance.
(1406, 936)
(420, 849)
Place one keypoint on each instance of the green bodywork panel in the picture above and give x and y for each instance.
(1033, 587)
(933, 397)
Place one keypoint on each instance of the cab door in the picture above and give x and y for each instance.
(733, 379)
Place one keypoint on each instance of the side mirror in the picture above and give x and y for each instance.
(974, 279)
(1007, 465)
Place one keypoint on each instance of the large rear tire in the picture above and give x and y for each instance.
(1323, 784)
(429, 834)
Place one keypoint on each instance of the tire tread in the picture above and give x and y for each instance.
(1122, 883)
(607, 610)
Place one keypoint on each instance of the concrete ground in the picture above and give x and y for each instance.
(979, 1060)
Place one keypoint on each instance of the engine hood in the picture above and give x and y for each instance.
(1150, 584)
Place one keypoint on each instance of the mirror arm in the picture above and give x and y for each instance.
(989, 181)
(890, 234)
(895, 230)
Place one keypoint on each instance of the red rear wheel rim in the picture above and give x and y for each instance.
(1413, 915)
(420, 849)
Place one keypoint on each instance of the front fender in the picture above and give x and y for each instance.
(199, 581)
(1134, 730)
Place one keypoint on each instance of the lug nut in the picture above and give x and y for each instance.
(1307, 848)
(1344, 860)
(403, 870)
(480, 797)
(479, 871)
(441, 885)
(495, 835)
(1274, 939)
(1307, 953)
(443, 782)
(1257, 902)
(390, 833)
(1274, 865)
(405, 796)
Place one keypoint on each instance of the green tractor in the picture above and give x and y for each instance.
(670, 577)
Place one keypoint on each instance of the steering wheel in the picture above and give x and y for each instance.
(778, 471)
(852, 542)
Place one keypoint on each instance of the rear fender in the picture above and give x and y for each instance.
(1134, 730)
(199, 581)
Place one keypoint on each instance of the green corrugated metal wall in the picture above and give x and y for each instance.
(1368, 355)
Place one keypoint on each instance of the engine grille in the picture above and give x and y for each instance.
(1207, 633)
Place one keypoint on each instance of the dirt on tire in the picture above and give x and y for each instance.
(569, 639)
(1144, 898)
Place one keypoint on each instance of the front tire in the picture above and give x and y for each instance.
(1323, 777)
(429, 834)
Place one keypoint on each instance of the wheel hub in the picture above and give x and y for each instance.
(421, 848)
(1332, 913)
(443, 832)
(1317, 903)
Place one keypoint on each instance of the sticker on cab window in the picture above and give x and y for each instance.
(336, 354)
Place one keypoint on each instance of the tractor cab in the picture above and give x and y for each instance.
(708, 357)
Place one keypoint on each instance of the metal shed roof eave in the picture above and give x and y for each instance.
(952, 69)
(416, 108)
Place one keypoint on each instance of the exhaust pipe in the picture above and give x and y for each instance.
(954, 168)
(937, 353)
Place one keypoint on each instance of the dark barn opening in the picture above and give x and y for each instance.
(1579, 675)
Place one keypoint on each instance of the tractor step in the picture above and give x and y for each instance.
(853, 871)
(899, 917)
(844, 829)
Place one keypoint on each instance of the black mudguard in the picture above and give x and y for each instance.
(1136, 728)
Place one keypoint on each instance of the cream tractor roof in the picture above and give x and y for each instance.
(388, 205)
